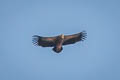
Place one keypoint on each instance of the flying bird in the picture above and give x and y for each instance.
(58, 41)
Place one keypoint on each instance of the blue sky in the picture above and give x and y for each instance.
(97, 58)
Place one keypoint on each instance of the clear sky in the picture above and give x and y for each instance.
(97, 58)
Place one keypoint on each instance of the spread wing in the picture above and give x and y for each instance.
(71, 39)
(44, 41)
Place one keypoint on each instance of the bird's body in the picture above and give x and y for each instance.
(58, 41)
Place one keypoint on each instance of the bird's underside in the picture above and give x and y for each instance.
(58, 41)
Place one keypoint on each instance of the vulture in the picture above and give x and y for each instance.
(58, 41)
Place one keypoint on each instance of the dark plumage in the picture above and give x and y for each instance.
(57, 41)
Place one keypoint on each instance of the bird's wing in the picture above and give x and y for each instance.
(44, 41)
(71, 39)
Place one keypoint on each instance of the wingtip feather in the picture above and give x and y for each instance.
(35, 40)
(83, 35)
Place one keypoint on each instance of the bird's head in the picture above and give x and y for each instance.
(62, 36)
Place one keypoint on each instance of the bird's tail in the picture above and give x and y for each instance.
(57, 51)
